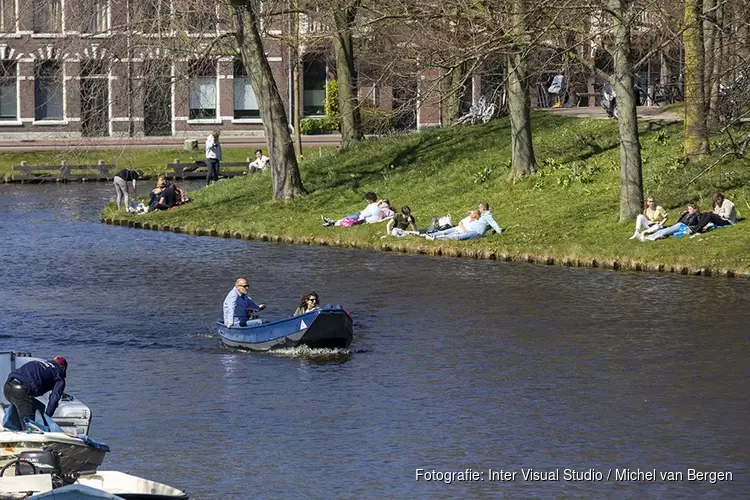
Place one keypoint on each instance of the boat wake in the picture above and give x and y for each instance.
(306, 352)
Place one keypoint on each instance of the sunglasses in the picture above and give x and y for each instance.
(312, 298)
(243, 286)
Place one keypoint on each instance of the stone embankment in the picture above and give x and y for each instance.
(436, 250)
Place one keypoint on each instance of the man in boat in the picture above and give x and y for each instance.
(238, 307)
(33, 379)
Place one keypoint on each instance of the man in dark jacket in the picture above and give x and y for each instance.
(33, 379)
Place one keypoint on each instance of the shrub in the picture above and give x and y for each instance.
(331, 105)
(309, 126)
(377, 120)
(314, 126)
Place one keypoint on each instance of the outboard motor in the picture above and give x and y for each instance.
(39, 462)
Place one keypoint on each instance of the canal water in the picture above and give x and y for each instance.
(455, 364)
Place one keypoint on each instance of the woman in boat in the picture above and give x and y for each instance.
(308, 302)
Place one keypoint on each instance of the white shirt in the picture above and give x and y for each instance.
(213, 148)
(260, 163)
(727, 211)
(371, 213)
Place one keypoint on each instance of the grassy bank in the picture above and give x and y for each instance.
(566, 213)
(151, 161)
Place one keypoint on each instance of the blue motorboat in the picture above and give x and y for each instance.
(326, 328)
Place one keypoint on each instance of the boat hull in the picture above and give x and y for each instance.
(328, 328)
(76, 457)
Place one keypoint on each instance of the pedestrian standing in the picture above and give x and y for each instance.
(121, 185)
(213, 157)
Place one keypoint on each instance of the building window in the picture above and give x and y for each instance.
(314, 85)
(7, 15)
(47, 16)
(94, 16)
(48, 91)
(198, 16)
(152, 16)
(8, 82)
(202, 89)
(245, 103)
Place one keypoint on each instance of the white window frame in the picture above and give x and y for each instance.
(50, 120)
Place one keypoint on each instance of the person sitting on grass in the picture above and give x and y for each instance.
(455, 233)
(725, 208)
(370, 214)
(724, 214)
(651, 220)
(687, 223)
(308, 302)
(260, 163)
(400, 222)
(161, 184)
(171, 196)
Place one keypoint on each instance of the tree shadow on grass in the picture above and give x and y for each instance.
(434, 148)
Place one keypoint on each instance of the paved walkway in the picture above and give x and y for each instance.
(105, 143)
(655, 113)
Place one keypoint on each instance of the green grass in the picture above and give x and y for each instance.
(569, 210)
(151, 161)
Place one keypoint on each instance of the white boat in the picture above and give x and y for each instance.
(130, 487)
(103, 484)
(76, 455)
(72, 415)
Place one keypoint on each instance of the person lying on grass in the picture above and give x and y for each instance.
(475, 229)
(371, 213)
(457, 232)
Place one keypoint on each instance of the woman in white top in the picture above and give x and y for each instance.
(370, 214)
(725, 208)
(651, 220)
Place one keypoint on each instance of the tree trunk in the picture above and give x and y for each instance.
(343, 48)
(631, 174)
(696, 134)
(710, 37)
(454, 91)
(718, 50)
(294, 98)
(285, 176)
(522, 149)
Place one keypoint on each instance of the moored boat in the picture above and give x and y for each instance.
(326, 328)
(76, 455)
(103, 484)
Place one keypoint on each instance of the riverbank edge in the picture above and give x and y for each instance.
(440, 251)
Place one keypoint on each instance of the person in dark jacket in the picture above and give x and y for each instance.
(167, 198)
(688, 222)
(33, 379)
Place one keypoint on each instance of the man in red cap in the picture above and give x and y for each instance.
(33, 379)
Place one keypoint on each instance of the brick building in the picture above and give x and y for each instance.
(117, 68)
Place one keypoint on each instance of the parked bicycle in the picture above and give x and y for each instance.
(481, 112)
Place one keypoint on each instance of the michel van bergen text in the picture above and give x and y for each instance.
(637, 475)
